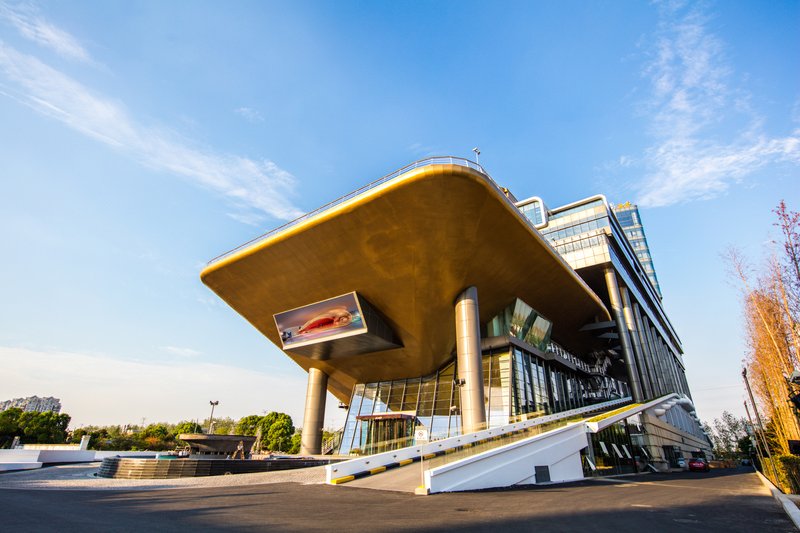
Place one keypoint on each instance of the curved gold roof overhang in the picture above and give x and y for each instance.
(409, 246)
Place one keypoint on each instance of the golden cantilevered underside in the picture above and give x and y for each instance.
(409, 246)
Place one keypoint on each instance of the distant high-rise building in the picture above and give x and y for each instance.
(33, 403)
(631, 222)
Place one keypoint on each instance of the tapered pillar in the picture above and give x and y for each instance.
(656, 356)
(470, 366)
(313, 418)
(633, 332)
(647, 352)
(622, 330)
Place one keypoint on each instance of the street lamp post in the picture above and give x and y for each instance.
(211, 419)
(477, 155)
(760, 424)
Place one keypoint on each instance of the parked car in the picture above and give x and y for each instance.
(698, 464)
(681, 463)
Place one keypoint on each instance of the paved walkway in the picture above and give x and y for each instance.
(82, 477)
(731, 500)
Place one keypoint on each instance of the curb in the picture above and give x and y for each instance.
(788, 505)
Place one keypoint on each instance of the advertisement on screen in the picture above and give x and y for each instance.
(322, 321)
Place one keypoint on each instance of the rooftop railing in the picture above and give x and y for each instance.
(437, 160)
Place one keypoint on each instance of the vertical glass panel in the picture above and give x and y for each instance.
(367, 404)
(426, 396)
(351, 423)
(443, 405)
(412, 395)
(500, 390)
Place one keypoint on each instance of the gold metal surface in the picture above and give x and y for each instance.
(409, 246)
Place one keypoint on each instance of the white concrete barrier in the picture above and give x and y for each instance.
(515, 463)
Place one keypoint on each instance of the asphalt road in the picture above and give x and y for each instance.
(723, 500)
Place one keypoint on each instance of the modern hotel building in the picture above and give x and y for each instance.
(432, 298)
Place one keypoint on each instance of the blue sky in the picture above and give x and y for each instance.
(138, 140)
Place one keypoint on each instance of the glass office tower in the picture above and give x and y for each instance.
(631, 222)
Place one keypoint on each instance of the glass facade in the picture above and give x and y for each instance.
(520, 320)
(631, 222)
(613, 452)
(518, 385)
(578, 234)
(534, 211)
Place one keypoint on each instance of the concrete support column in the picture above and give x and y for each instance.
(314, 415)
(470, 365)
(633, 332)
(622, 330)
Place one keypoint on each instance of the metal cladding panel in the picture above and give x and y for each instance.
(409, 246)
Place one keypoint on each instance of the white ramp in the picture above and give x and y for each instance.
(554, 455)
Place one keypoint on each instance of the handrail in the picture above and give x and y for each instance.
(436, 160)
(346, 469)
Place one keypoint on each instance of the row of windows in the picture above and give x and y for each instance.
(590, 242)
(585, 211)
(578, 229)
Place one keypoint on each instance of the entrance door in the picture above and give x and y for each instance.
(387, 431)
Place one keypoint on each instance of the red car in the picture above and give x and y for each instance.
(698, 464)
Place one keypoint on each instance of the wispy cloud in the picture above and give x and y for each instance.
(249, 114)
(705, 135)
(247, 183)
(181, 352)
(29, 23)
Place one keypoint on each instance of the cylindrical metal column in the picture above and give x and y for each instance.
(647, 350)
(665, 358)
(622, 330)
(633, 332)
(470, 366)
(656, 355)
(314, 416)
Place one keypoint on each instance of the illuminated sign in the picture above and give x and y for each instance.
(322, 321)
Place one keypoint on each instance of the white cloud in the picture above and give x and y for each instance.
(249, 114)
(245, 182)
(26, 19)
(101, 390)
(182, 352)
(706, 137)
(251, 219)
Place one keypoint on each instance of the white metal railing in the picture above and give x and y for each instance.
(437, 160)
(372, 462)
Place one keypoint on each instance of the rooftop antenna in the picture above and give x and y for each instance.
(477, 155)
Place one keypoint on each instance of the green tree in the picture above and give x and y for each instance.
(279, 431)
(222, 426)
(248, 425)
(726, 434)
(186, 426)
(9, 426)
(296, 442)
(43, 427)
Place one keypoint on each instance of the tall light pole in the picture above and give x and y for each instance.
(211, 419)
(761, 424)
(477, 155)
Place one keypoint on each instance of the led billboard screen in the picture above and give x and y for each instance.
(322, 321)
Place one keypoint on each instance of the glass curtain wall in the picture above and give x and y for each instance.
(518, 385)
(613, 451)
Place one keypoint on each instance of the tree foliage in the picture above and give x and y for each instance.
(726, 434)
(772, 325)
(33, 427)
(276, 429)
